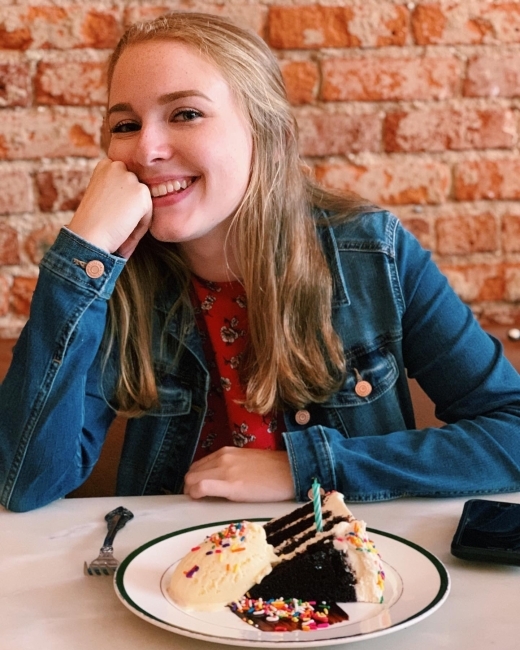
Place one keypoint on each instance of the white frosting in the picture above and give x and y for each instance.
(361, 556)
(332, 503)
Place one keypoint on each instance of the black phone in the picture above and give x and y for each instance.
(488, 531)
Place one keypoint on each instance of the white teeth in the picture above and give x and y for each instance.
(167, 188)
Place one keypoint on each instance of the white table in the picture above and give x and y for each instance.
(46, 602)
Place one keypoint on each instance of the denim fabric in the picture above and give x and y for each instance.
(395, 314)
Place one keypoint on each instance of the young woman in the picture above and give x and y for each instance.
(256, 328)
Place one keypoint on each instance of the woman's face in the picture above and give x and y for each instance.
(176, 125)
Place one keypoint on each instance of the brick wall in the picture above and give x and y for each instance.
(412, 104)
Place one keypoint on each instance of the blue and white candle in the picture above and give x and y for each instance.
(316, 498)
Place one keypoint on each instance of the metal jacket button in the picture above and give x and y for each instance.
(302, 417)
(363, 388)
(95, 269)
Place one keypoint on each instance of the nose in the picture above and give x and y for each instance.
(153, 145)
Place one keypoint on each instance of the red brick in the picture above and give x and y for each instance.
(21, 295)
(15, 39)
(421, 228)
(492, 76)
(101, 29)
(48, 14)
(327, 134)
(497, 314)
(511, 233)
(487, 179)
(61, 189)
(390, 182)
(301, 80)
(65, 27)
(138, 14)
(373, 24)
(466, 22)
(32, 134)
(48, 25)
(15, 84)
(252, 15)
(39, 241)
(9, 247)
(500, 22)
(476, 282)
(372, 78)
(466, 234)
(428, 23)
(16, 193)
(512, 282)
(4, 296)
(80, 83)
(429, 129)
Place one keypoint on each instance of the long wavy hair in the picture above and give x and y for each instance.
(293, 356)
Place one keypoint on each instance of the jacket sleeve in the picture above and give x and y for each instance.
(474, 387)
(53, 418)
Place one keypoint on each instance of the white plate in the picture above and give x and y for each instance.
(417, 583)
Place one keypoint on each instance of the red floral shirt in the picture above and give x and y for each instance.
(221, 315)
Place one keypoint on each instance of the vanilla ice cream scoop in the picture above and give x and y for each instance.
(222, 568)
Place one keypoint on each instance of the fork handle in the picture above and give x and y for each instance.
(115, 519)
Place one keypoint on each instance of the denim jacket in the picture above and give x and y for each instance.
(395, 313)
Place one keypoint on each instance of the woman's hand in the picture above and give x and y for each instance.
(241, 474)
(116, 210)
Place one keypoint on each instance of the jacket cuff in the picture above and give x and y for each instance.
(83, 264)
(310, 457)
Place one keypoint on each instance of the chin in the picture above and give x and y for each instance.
(165, 235)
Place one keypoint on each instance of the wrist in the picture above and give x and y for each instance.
(99, 240)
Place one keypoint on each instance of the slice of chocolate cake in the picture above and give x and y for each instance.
(338, 564)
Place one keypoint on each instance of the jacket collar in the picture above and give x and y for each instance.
(330, 248)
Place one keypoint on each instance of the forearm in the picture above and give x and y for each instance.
(469, 457)
(52, 417)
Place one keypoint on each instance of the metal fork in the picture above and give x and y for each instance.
(105, 564)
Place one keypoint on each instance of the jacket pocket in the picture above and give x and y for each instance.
(371, 372)
(174, 394)
(366, 412)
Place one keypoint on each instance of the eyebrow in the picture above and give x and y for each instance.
(163, 99)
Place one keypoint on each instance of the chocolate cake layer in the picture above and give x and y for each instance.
(316, 575)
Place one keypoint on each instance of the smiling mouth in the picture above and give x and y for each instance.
(170, 187)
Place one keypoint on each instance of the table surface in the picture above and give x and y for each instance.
(47, 602)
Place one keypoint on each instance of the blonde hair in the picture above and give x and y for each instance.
(293, 356)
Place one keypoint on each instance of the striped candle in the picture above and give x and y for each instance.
(316, 499)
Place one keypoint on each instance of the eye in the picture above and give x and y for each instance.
(186, 115)
(125, 126)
